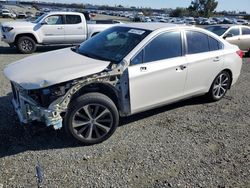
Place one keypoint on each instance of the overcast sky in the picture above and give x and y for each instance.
(238, 5)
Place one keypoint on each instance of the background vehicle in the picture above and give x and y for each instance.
(236, 34)
(108, 76)
(50, 28)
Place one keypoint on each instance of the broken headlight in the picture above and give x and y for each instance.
(47, 95)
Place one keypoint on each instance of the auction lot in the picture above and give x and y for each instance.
(188, 144)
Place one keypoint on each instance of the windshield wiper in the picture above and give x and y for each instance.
(93, 56)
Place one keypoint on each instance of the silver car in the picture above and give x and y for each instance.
(122, 71)
(235, 34)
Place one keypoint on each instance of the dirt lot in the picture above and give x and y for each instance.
(188, 144)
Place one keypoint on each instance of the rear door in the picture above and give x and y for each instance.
(53, 29)
(157, 74)
(245, 38)
(205, 61)
(75, 29)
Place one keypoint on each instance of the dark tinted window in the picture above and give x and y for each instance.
(234, 31)
(218, 30)
(138, 59)
(197, 42)
(73, 19)
(245, 31)
(167, 45)
(214, 44)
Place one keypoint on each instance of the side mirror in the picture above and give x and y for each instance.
(228, 35)
(44, 23)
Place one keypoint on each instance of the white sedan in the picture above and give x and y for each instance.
(122, 71)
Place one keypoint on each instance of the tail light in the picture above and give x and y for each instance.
(240, 53)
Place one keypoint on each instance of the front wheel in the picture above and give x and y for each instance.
(91, 118)
(220, 86)
(26, 45)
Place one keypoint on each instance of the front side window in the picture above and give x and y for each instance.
(164, 46)
(245, 31)
(54, 20)
(197, 42)
(73, 19)
(234, 31)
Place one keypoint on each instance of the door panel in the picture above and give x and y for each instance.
(53, 31)
(202, 70)
(245, 39)
(75, 29)
(156, 83)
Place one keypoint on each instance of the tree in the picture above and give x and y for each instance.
(179, 12)
(204, 8)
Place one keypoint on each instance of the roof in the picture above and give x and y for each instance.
(150, 26)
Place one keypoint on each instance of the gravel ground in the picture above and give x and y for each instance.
(187, 144)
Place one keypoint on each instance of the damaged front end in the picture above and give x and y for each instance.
(49, 103)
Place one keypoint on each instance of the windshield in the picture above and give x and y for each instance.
(113, 44)
(40, 18)
(218, 30)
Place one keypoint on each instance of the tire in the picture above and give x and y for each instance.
(91, 118)
(220, 86)
(26, 45)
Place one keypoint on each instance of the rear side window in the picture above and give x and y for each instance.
(245, 31)
(214, 44)
(234, 31)
(197, 42)
(164, 46)
(73, 19)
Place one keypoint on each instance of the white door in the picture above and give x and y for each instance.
(205, 61)
(75, 29)
(52, 30)
(157, 74)
(235, 35)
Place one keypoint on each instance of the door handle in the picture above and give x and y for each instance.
(143, 69)
(216, 59)
(60, 28)
(182, 67)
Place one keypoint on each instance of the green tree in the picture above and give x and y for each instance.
(203, 7)
(179, 12)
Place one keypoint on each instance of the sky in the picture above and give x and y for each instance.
(228, 5)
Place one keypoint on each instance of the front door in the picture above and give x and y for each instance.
(52, 30)
(158, 73)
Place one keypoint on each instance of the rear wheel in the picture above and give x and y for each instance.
(91, 118)
(220, 86)
(26, 45)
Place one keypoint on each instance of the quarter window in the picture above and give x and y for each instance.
(197, 42)
(73, 19)
(214, 44)
(54, 20)
(234, 31)
(164, 46)
(245, 31)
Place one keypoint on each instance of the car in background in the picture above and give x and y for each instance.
(235, 34)
(21, 15)
(6, 13)
(50, 29)
(87, 89)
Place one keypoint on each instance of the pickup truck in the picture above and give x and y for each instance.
(50, 29)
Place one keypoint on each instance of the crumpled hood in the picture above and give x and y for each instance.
(52, 68)
(18, 24)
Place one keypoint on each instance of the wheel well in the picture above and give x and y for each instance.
(105, 89)
(25, 35)
(231, 76)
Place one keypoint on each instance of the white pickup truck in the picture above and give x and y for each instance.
(50, 29)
